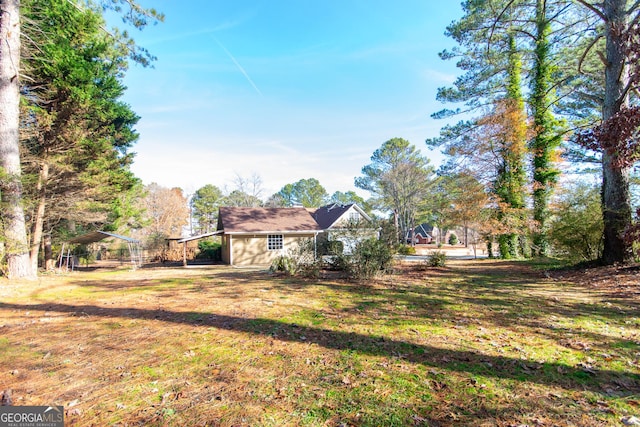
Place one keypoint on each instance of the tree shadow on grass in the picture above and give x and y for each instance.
(497, 301)
(465, 361)
(216, 277)
(498, 296)
(508, 292)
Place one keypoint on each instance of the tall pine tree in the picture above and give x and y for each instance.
(510, 183)
(546, 137)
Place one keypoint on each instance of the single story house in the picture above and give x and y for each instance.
(257, 236)
(253, 236)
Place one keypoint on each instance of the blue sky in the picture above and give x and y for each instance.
(285, 89)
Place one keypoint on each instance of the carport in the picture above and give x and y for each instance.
(134, 246)
(189, 239)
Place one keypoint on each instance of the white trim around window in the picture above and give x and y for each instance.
(275, 242)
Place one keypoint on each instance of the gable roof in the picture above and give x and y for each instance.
(265, 220)
(327, 216)
(424, 230)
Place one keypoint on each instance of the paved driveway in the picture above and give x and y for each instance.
(456, 252)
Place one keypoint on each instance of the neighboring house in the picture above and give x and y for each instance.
(426, 233)
(259, 235)
(422, 234)
(346, 223)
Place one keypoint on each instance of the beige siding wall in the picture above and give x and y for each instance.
(252, 250)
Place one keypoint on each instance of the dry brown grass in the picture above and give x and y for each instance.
(477, 343)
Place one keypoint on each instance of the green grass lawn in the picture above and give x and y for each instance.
(479, 343)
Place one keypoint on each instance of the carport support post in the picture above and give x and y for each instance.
(184, 254)
(315, 246)
(61, 255)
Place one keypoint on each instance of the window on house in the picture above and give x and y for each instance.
(274, 242)
(354, 216)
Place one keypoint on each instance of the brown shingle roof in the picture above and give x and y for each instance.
(256, 220)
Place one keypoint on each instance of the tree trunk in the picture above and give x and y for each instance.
(14, 228)
(466, 235)
(49, 262)
(396, 223)
(38, 220)
(617, 212)
(616, 197)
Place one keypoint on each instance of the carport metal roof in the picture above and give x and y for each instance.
(135, 248)
(96, 236)
(200, 236)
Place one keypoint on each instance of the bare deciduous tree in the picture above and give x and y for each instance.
(165, 210)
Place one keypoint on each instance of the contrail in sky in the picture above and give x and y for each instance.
(244, 73)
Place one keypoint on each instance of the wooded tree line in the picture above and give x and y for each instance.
(541, 75)
(64, 133)
(542, 79)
